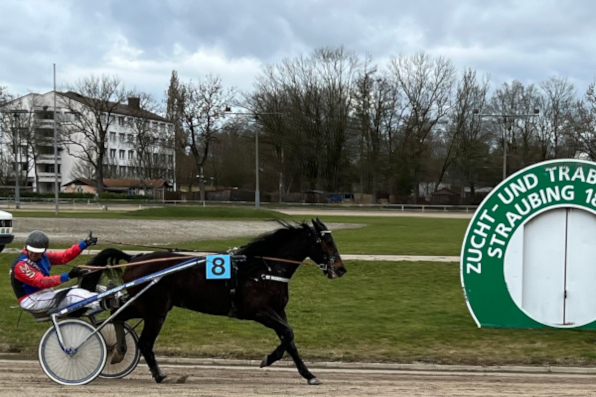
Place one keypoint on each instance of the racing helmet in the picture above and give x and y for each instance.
(37, 242)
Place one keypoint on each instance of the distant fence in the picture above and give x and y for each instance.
(74, 202)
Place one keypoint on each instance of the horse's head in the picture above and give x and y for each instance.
(324, 251)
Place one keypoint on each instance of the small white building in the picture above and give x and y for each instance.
(35, 112)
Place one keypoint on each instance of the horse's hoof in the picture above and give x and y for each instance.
(117, 357)
(314, 382)
(264, 362)
(159, 378)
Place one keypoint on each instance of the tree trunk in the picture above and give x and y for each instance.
(99, 173)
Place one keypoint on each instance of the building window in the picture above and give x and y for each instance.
(121, 137)
(120, 120)
(112, 153)
(112, 137)
(121, 154)
(131, 154)
(79, 189)
(155, 158)
(170, 159)
(131, 138)
(69, 116)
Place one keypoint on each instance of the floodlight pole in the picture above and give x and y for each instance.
(56, 184)
(506, 118)
(255, 115)
(17, 183)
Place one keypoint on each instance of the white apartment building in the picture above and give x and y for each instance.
(121, 147)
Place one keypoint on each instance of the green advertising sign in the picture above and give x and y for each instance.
(527, 259)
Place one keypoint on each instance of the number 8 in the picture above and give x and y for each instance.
(218, 267)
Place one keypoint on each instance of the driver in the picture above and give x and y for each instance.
(30, 274)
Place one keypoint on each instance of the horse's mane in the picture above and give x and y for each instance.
(264, 244)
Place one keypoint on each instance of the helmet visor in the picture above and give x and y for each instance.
(36, 250)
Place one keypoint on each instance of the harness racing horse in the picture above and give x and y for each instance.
(261, 288)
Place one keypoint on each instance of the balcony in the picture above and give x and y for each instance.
(48, 177)
(45, 123)
(48, 159)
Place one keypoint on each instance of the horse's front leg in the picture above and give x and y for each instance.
(271, 319)
(146, 341)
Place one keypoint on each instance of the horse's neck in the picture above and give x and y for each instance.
(293, 251)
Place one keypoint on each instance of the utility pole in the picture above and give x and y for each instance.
(56, 184)
(256, 116)
(507, 118)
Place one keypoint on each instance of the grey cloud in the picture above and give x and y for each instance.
(527, 40)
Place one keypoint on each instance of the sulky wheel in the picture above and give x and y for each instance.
(131, 358)
(79, 367)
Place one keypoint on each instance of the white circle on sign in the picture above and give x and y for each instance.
(550, 268)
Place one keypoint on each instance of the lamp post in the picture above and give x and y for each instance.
(256, 116)
(15, 133)
(56, 184)
(507, 118)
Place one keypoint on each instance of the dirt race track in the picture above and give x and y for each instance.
(25, 378)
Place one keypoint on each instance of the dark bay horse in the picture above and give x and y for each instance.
(261, 288)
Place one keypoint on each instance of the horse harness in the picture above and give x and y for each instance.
(328, 260)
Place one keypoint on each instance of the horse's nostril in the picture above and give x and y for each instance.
(341, 271)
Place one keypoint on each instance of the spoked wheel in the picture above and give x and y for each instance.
(131, 358)
(80, 367)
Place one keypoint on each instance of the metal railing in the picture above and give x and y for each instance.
(150, 202)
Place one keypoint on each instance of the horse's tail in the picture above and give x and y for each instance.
(109, 256)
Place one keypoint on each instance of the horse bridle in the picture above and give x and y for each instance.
(329, 260)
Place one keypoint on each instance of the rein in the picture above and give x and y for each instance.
(169, 249)
(96, 268)
(264, 258)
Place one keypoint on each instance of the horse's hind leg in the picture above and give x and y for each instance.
(278, 323)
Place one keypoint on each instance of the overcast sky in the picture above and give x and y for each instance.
(143, 40)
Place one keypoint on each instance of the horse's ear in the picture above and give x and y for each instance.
(316, 225)
(320, 225)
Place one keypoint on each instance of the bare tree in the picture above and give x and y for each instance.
(13, 141)
(470, 142)
(556, 106)
(583, 125)
(516, 134)
(203, 112)
(314, 93)
(93, 101)
(427, 86)
(82, 169)
(374, 108)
